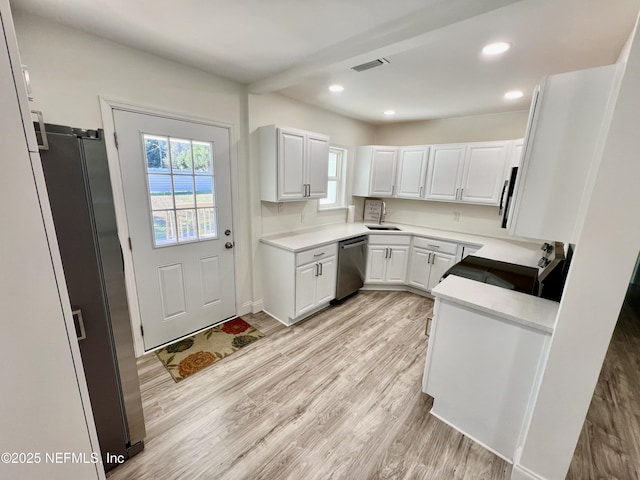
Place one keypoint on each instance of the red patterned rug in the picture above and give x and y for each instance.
(190, 355)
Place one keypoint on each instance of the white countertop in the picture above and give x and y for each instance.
(520, 253)
(527, 310)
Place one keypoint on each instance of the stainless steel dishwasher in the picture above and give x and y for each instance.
(352, 262)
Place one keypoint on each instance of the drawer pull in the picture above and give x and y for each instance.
(318, 254)
(433, 246)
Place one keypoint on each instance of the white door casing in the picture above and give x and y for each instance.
(182, 287)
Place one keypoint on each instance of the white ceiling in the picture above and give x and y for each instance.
(299, 47)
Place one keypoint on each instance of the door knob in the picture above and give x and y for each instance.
(227, 232)
(228, 245)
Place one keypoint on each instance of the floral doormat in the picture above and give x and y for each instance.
(190, 355)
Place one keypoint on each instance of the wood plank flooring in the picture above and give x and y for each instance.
(609, 445)
(337, 396)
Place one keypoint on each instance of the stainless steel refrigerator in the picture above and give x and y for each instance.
(77, 177)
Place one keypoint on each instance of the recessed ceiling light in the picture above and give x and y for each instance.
(389, 113)
(336, 88)
(513, 94)
(496, 48)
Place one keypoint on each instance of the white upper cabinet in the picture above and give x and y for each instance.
(484, 172)
(375, 171)
(468, 172)
(412, 171)
(293, 164)
(567, 126)
(446, 164)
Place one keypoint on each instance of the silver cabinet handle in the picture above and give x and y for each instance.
(421, 188)
(27, 82)
(43, 131)
(390, 252)
(320, 268)
(427, 327)
(433, 260)
(457, 192)
(433, 246)
(308, 189)
(317, 269)
(318, 254)
(461, 193)
(393, 190)
(78, 322)
(429, 258)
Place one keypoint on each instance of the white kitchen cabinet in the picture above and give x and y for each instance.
(375, 171)
(430, 259)
(412, 172)
(485, 169)
(45, 404)
(469, 250)
(297, 285)
(293, 164)
(387, 258)
(516, 152)
(468, 173)
(446, 165)
(565, 136)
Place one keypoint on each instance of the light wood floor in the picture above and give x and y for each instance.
(339, 397)
(335, 397)
(609, 445)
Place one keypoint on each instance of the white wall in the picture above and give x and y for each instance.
(593, 295)
(478, 219)
(69, 69)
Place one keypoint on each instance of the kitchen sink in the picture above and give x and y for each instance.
(382, 227)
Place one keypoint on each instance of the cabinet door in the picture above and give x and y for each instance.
(317, 165)
(445, 172)
(397, 265)
(440, 263)
(419, 268)
(291, 154)
(383, 172)
(326, 281)
(376, 264)
(484, 173)
(305, 288)
(412, 172)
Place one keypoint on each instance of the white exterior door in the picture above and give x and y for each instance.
(445, 172)
(484, 173)
(383, 172)
(177, 189)
(412, 171)
(291, 154)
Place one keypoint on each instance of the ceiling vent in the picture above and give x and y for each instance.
(369, 65)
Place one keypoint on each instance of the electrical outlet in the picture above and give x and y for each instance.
(456, 216)
(280, 207)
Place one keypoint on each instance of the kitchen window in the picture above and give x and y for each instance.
(336, 180)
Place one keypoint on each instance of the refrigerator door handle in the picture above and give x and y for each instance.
(78, 321)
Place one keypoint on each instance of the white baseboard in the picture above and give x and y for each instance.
(521, 473)
(257, 306)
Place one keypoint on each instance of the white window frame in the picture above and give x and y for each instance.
(340, 178)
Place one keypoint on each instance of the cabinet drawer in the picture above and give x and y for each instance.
(316, 254)
(390, 239)
(435, 245)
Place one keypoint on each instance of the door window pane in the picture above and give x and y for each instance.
(180, 180)
(202, 158)
(161, 192)
(204, 191)
(183, 188)
(181, 156)
(164, 227)
(156, 151)
(187, 230)
(207, 223)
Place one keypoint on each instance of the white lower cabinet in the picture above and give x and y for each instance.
(315, 285)
(387, 259)
(298, 284)
(427, 267)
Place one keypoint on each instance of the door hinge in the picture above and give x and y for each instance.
(142, 330)
(130, 246)
(115, 138)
